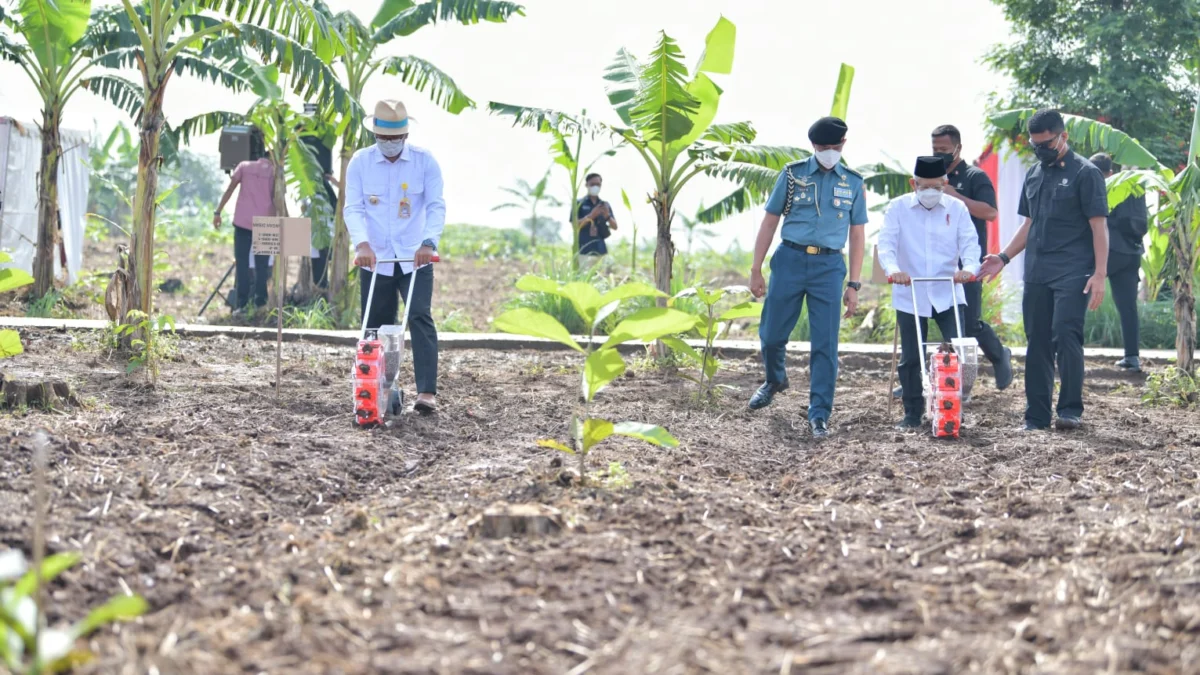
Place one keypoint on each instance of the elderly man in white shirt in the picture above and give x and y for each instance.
(926, 234)
(394, 209)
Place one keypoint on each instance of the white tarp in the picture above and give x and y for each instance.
(20, 160)
(1010, 181)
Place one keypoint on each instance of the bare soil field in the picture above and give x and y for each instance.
(270, 536)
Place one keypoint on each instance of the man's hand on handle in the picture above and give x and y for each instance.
(364, 256)
(963, 277)
(423, 257)
(900, 279)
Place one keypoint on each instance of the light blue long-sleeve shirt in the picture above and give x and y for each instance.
(375, 189)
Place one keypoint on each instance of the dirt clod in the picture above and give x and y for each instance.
(516, 520)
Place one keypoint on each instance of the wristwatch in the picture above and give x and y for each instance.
(430, 243)
(1004, 257)
(856, 285)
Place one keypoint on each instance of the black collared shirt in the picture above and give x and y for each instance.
(1127, 226)
(1060, 199)
(973, 183)
(589, 245)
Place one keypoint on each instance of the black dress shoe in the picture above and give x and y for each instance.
(1004, 370)
(1130, 364)
(1067, 423)
(1030, 426)
(819, 428)
(909, 424)
(766, 394)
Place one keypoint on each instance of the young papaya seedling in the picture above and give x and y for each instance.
(27, 648)
(604, 364)
(708, 323)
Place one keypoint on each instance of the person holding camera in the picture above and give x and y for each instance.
(595, 221)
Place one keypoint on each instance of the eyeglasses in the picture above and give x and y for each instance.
(1046, 145)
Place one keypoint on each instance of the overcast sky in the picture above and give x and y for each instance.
(918, 65)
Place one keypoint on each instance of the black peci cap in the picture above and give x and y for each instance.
(827, 131)
(930, 167)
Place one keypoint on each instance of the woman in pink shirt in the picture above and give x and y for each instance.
(256, 198)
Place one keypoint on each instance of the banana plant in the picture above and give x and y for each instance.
(568, 134)
(283, 130)
(667, 114)
(11, 279)
(709, 323)
(531, 197)
(43, 37)
(163, 38)
(601, 365)
(27, 646)
(360, 61)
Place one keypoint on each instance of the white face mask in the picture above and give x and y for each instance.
(390, 148)
(829, 158)
(929, 197)
(594, 190)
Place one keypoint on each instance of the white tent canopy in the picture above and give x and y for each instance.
(20, 159)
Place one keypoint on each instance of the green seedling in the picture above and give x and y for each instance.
(10, 280)
(601, 365)
(1173, 386)
(709, 323)
(26, 646)
(149, 341)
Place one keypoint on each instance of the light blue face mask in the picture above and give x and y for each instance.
(390, 148)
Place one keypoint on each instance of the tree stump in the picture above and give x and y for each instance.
(503, 520)
(46, 395)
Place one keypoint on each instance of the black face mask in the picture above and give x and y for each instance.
(1045, 153)
(947, 157)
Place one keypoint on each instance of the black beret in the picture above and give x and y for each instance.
(827, 131)
(930, 167)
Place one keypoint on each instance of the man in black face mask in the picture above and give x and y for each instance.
(1065, 240)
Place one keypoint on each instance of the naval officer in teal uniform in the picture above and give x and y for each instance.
(822, 205)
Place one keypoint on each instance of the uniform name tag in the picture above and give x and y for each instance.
(845, 193)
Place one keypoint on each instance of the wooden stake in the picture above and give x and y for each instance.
(279, 322)
(892, 376)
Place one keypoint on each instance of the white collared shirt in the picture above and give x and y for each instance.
(925, 242)
(375, 188)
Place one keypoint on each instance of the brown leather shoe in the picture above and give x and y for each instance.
(426, 404)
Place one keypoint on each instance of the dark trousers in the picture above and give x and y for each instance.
(385, 309)
(1123, 271)
(797, 278)
(320, 265)
(974, 325)
(912, 357)
(1054, 314)
(261, 274)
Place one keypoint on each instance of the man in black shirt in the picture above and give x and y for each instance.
(1065, 240)
(595, 222)
(971, 186)
(1126, 230)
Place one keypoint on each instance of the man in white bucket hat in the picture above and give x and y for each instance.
(394, 209)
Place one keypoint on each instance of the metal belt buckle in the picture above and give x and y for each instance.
(812, 250)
